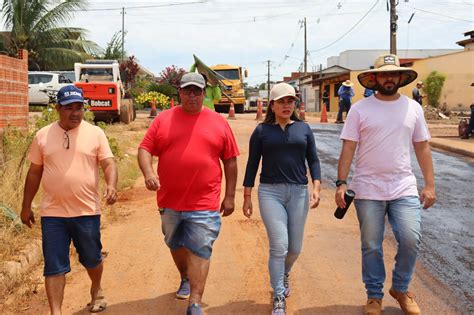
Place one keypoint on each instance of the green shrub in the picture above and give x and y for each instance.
(165, 89)
(434, 86)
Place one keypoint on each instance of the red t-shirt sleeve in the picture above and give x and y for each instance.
(149, 142)
(230, 149)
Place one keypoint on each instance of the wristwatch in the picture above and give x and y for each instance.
(340, 182)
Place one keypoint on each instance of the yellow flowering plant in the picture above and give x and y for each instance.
(145, 99)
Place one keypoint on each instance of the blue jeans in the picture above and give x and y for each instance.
(194, 230)
(283, 208)
(404, 215)
(57, 233)
(344, 106)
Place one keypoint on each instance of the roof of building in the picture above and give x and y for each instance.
(469, 33)
(464, 42)
(293, 76)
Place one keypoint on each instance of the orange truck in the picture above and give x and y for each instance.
(102, 86)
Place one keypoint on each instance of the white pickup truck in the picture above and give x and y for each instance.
(41, 80)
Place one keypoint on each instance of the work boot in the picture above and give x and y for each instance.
(373, 307)
(406, 301)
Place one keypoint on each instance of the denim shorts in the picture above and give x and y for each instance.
(194, 230)
(57, 234)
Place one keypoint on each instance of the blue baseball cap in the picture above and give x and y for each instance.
(70, 94)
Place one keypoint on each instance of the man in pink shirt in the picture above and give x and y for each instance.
(190, 141)
(65, 158)
(380, 130)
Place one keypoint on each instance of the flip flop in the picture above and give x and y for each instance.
(100, 304)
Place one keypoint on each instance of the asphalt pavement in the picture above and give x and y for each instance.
(447, 249)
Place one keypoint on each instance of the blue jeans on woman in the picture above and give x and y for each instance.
(404, 215)
(283, 208)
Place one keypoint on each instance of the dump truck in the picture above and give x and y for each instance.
(233, 87)
(230, 81)
(103, 90)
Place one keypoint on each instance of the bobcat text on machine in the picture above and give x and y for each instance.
(103, 89)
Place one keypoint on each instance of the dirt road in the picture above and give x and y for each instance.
(140, 277)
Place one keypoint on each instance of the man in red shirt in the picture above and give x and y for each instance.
(190, 140)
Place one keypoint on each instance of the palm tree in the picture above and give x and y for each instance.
(36, 25)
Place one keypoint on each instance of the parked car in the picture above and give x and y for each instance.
(69, 75)
(41, 80)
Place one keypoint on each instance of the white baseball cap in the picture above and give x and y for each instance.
(281, 90)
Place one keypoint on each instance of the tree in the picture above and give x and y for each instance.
(36, 25)
(434, 86)
(262, 86)
(129, 69)
(113, 51)
(171, 75)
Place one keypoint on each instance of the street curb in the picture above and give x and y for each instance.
(10, 271)
(451, 149)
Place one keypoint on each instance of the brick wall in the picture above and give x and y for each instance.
(14, 91)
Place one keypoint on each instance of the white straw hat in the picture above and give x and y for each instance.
(386, 63)
(348, 83)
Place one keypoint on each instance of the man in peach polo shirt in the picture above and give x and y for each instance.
(65, 157)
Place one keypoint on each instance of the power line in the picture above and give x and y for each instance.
(140, 7)
(227, 8)
(350, 29)
(443, 15)
(220, 21)
(291, 47)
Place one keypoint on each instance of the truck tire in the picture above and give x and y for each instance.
(239, 108)
(223, 109)
(125, 114)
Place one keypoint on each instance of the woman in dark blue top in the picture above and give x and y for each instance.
(285, 144)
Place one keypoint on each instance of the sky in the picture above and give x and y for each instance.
(249, 33)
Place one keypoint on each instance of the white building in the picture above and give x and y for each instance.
(364, 58)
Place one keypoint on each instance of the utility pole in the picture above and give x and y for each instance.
(393, 26)
(268, 82)
(305, 50)
(123, 33)
(304, 65)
